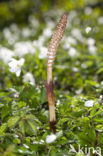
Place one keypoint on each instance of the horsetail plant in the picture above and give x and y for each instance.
(54, 43)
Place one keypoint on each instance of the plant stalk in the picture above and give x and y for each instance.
(54, 43)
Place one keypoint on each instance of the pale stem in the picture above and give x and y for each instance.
(49, 74)
(52, 113)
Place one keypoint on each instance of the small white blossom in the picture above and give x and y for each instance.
(71, 16)
(88, 10)
(26, 146)
(21, 151)
(71, 40)
(16, 94)
(22, 48)
(29, 78)
(89, 103)
(88, 29)
(66, 46)
(40, 42)
(90, 41)
(72, 52)
(50, 24)
(33, 22)
(83, 65)
(79, 91)
(50, 138)
(10, 36)
(47, 32)
(101, 82)
(38, 142)
(77, 34)
(43, 52)
(16, 136)
(100, 20)
(6, 54)
(58, 102)
(92, 49)
(15, 66)
(75, 69)
(26, 32)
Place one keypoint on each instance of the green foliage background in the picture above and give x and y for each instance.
(24, 122)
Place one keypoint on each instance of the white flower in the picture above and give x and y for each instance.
(38, 142)
(90, 41)
(43, 52)
(92, 49)
(26, 146)
(100, 20)
(47, 32)
(83, 65)
(16, 136)
(6, 54)
(71, 16)
(15, 66)
(88, 10)
(50, 24)
(88, 29)
(50, 138)
(101, 82)
(75, 69)
(21, 151)
(77, 34)
(79, 91)
(71, 40)
(14, 28)
(22, 48)
(89, 103)
(66, 46)
(33, 21)
(29, 78)
(58, 102)
(72, 52)
(40, 42)
(11, 34)
(16, 94)
(26, 32)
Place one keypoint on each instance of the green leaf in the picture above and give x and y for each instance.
(100, 70)
(43, 95)
(22, 104)
(13, 120)
(33, 118)
(3, 128)
(99, 127)
(33, 126)
(80, 154)
(22, 126)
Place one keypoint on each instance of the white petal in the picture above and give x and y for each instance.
(89, 103)
(18, 72)
(21, 61)
(50, 138)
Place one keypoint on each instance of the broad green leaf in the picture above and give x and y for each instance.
(13, 120)
(22, 104)
(99, 127)
(22, 126)
(100, 70)
(3, 128)
(32, 117)
(33, 126)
